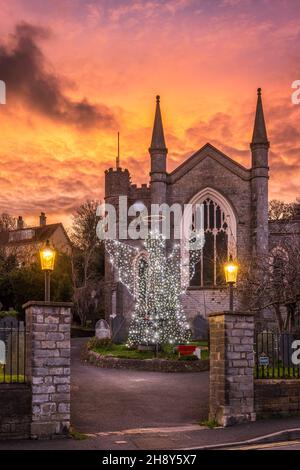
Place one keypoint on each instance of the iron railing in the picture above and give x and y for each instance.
(276, 355)
(12, 352)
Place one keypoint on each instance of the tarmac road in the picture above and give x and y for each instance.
(104, 400)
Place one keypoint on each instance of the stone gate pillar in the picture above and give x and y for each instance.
(231, 368)
(48, 327)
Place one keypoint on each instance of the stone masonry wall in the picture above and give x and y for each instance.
(275, 398)
(231, 368)
(198, 304)
(234, 187)
(48, 367)
(15, 411)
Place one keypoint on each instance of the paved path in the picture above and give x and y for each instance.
(105, 400)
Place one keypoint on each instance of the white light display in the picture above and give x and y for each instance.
(154, 278)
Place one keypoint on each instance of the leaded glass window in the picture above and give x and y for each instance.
(209, 270)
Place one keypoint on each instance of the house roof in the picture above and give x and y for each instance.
(208, 150)
(30, 235)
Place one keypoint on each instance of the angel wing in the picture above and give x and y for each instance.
(196, 243)
(122, 257)
(184, 258)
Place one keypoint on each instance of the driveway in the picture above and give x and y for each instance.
(105, 400)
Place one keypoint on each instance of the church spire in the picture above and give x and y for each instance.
(259, 183)
(259, 131)
(158, 138)
(158, 153)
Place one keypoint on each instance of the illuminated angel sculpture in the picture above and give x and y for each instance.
(155, 280)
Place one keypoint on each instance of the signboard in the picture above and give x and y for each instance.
(263, 360)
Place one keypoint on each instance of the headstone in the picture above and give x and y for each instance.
(200, 328)
(102, 330)
(118, 325)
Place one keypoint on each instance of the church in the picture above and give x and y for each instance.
(235, 201)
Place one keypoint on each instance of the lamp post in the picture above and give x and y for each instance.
(47, 256)
(230, 269)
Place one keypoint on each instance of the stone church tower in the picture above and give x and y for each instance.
(259, 181)
(235, 201)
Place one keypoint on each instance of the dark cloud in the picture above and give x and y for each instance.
(27, 75)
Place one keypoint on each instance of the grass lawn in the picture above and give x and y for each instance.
(11, 379)
(122, 351)
(278, 372)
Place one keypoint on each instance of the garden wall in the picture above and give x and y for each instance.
(276, 397)
(15, 411)
(155, 365)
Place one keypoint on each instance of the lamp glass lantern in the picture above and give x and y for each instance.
(231, 271)
(47, 257)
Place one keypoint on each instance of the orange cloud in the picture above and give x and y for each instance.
(92, 68)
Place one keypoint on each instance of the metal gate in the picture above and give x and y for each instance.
(277, 355)
(12, 351)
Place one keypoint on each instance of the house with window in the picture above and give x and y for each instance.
(235, 202)
(25, 242)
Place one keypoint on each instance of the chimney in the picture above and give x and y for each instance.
(20, 223)
(43, 219)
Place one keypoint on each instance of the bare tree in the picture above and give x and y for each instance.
(87, 260)
(280, 210)
(273, 282)
(7, 222)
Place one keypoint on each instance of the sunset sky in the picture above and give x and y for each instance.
(78, 71)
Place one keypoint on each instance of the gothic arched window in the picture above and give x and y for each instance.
(220, 238)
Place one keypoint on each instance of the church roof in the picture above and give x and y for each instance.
(208, 150)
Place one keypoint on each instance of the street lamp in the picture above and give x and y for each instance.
(47, 256)
(231, 269)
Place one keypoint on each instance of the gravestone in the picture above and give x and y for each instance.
(102, 330)
(200, 328)
(118, 325)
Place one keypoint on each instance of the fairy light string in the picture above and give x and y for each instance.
(154, 278)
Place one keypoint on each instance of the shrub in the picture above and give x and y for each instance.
(9, 313)
(104, 343)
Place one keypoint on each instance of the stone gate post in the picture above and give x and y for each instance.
(231, 368)
(48, 327)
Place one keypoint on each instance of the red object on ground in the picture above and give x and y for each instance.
(186, 350)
